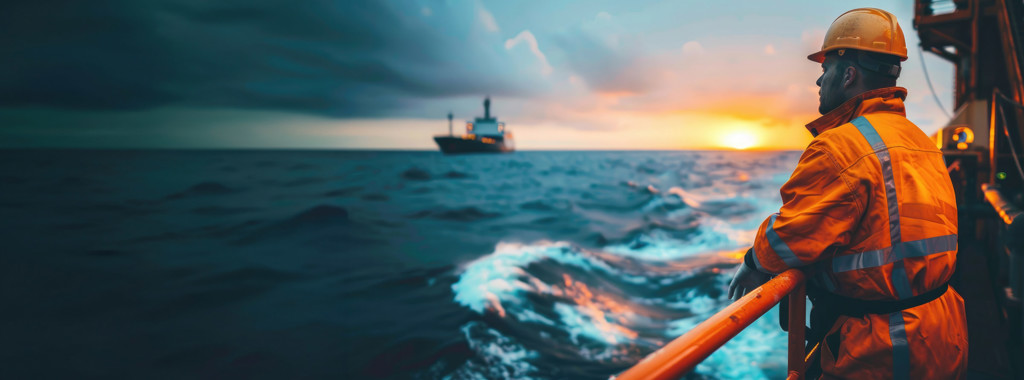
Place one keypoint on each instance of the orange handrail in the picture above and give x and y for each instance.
(684, 353)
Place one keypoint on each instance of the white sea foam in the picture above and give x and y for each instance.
(497, 356)
(599, 330)
(593, 324)
(499, 276)
(659, 245)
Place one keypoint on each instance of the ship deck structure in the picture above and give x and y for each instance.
(483, 135)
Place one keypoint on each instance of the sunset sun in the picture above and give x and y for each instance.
(739, 140)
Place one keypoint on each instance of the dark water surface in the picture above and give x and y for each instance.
(322, 264)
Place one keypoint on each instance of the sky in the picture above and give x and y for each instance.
(383, 74)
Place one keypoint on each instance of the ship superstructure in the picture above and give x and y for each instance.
(483, 135)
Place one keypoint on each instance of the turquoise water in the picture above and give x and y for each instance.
(327, 264)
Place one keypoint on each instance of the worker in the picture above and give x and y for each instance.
(869, 214)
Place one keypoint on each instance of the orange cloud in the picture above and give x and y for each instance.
(697, 100)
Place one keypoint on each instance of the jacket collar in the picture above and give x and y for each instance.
(889, 99)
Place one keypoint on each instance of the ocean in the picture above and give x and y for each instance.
(204, 264)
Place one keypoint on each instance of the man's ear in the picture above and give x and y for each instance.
(850, 76)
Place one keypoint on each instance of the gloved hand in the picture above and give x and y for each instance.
(746, 279)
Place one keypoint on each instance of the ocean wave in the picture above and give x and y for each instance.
(379, 197)
(203, 189)
(658, 244)
(344, 191)
(416, 174)
(13, 180)
(463, 214)
(302, 182)
(452, 174)
(546, 205)
(319, 214)
(497, 356)
(421, 190)
(564, 290)
(546, 265)
(316, 220)
(616, 203)
(221, 210)
(501, 277)
(105, 252)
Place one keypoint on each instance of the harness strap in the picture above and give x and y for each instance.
(858, 308)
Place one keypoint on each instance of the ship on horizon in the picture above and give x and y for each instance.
(483, 135)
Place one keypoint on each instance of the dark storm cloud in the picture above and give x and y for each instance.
(339, 58)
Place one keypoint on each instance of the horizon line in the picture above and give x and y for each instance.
(391, 149)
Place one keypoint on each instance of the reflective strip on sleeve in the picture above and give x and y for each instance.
(900, 351)
(780, 247)
(897, 252)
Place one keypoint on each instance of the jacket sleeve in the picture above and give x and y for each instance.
(820, 210)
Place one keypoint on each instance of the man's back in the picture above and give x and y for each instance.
(871, 212)
(870, 215)
(903, 247)
(919, 219)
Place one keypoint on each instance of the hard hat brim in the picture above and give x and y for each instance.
(819, 57)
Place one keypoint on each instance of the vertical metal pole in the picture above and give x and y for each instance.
(797, 328)
(992, 151)
(973, 86)
(1010, 50)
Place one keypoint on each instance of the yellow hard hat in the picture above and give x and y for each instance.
(868, 29)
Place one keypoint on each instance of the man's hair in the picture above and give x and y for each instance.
(872, 79)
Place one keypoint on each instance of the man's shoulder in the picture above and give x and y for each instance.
(851, 142)
(844, 144)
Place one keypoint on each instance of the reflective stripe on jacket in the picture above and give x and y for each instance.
(870, 210)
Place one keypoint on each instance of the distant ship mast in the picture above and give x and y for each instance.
(487, 107)
(450, 117)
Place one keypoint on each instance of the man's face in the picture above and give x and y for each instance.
(830, 85)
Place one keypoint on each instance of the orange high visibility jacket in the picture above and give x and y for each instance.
(870, 212)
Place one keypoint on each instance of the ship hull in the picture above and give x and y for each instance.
(459, 145)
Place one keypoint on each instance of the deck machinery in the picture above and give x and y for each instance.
(983, 145)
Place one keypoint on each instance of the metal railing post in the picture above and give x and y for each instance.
(797, 330)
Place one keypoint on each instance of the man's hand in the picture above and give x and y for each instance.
(746, 279)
